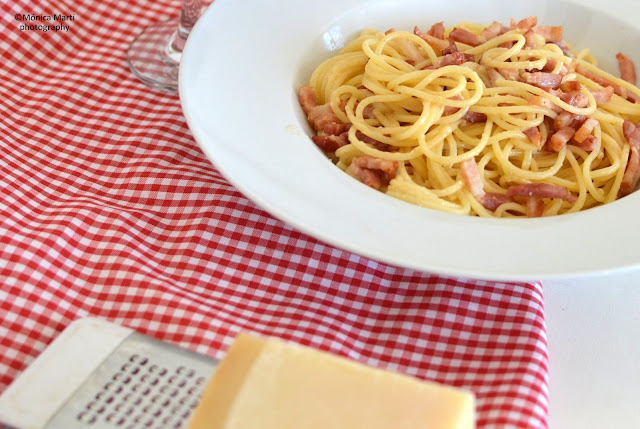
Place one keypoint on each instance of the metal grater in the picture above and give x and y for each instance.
(142, 383)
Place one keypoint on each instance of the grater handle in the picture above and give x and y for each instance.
(46, 384)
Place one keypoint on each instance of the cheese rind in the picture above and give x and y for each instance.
(270, 384)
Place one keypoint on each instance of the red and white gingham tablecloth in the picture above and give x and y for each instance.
(108, 208)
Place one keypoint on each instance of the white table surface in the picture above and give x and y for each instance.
(593, 328)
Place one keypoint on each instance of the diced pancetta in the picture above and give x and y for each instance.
(631, 173)
(437, 30)
(575, 99)
(474, 117)
(585, 130)
(529, 40)
(535, 136)
(571, 86)
(617, 89)
(589, 144)
(371, 141)
(465, 36)
(437, 44)
(550, 34)
(525, 24)
(493, 200)
(494, 30)
(509, 74)
(627, 68)
(307, 99)
(471, 178)
(543, 80)
(331, 143)
(542, 190)
(560, 138)
(535, 206)
(602, 95)
(631, 133)
(473, 181)
(373, 172)
(324, 120)
(455, 59)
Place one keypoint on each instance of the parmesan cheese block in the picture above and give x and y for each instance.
(270, 384)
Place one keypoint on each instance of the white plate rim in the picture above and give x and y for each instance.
(525, 229)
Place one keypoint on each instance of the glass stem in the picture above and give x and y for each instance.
(190, 13)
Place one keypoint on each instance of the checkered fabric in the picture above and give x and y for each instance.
(108, 208)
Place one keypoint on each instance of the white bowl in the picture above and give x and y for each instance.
(242, 67)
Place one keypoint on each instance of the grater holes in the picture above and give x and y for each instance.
(86, 417)
(143, 394)
(139, 360)
(187, 372)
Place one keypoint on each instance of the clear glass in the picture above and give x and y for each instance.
(154, 55)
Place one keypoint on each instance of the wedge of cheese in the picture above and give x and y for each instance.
(270, 384)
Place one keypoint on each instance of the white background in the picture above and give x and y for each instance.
(593, 328)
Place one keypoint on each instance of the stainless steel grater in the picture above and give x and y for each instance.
(97, 375)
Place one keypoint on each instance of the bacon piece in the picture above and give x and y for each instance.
(631, 133)
(535, 206)
(589, 144)
(571, 86)
(550, 65)
(493, 200)
(455, 59)
(494, 30)
(560, 139)
(576, 99)
(535, 136)
(471, 178)
(371, 141)
(437, 44)
(565, 49)
(473, 181)
(622, 92)
(530, 41)
(474, 117)
(542, 190)
(536, 100)
(465, 36)
(307, 99)
(449, 110)
(409, 50)
(550, 34)
(602, 95)
(494, 77)
(373, 172)
(437, 30)
(509, 74)
(631, 173)
(331, 143)
(320, 117)
(324, 120)
(525, 24)
(585, 130)
(563, 120)
(543, 80)
(567, 119)
(627, 68)
(567, 68)
(451, 48)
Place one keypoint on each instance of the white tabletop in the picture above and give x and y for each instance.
(593, 328)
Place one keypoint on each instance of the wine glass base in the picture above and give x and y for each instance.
(152, 60)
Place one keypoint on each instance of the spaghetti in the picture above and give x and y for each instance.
(490, 121)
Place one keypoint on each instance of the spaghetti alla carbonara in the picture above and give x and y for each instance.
(491, 121)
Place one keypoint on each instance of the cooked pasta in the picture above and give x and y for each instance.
(490, 121)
